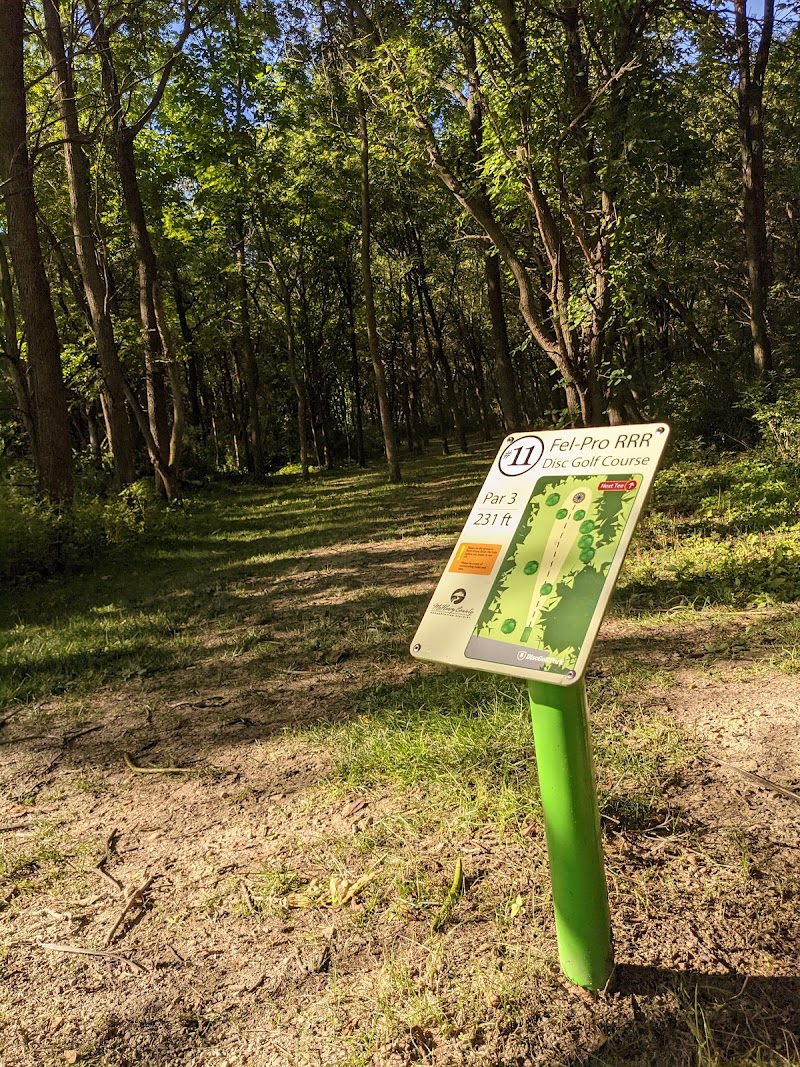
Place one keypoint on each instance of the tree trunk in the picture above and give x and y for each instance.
(120, 438)
(11, 351)
(197, 394)
(155, 330)
(481, 401)
(414, 383)
(250, 365)
(53, 453)
(298, 383)
(355, 368)
(750, 111)
(503, 367)
(438, 353)
(504, 370)
(384, 407)
(94, 432)
(437, 392)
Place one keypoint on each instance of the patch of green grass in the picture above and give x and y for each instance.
(29, 864)
(466, 736)
(750, 570)
(723, 533)
(730, 494)
(466, 742)
(38, 538)
(91, 782)
(83, 652)
(608, 684)
(268, 890)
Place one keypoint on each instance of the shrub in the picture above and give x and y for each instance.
(779, 421)
(38, 538)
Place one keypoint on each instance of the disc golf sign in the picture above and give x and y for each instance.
(529, 580)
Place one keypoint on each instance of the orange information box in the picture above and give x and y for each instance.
(475, 558)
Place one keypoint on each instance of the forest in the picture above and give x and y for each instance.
(241, 236)
(278, 279)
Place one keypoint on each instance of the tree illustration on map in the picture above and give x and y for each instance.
(555, 570)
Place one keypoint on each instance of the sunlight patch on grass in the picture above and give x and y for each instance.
(467, 742)
(82, 652)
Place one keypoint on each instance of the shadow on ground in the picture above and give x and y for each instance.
(732, 1018)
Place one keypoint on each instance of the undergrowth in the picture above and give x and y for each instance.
(726, 532)
(39, 538)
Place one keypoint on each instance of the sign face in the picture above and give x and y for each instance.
(530, 578)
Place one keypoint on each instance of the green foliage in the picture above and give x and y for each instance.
(779, 420)
(38, 538)
(732, 495)
(725, 532)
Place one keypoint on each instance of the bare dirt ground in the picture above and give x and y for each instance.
(185, 884)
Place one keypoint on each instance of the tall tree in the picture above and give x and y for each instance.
(562, 83)
(750, 113)
(507, 387)
(120, 438)
(11, 352)
(53, 450)
(163, 445)
(379, 370)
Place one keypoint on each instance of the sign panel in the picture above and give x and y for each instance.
(530, 578)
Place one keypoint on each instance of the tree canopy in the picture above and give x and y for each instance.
(247, 234)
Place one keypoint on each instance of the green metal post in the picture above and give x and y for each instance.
(572, 826)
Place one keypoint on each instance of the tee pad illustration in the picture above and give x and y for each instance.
(529, 580)
(541, 602)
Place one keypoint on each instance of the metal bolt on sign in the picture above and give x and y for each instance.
(523, 594)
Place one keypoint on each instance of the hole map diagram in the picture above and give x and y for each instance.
(551, 580)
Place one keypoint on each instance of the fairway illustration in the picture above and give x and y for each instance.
(554, 573)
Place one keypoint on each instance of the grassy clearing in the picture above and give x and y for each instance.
(140, 611)
(724, 534)
(717, 537)
(294, 604)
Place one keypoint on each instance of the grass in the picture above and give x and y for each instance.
(726, 534)
(258, 589)
(137, 613)
(717, 538)
(43, 860)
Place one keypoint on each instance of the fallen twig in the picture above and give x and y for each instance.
(248, 898)
(255, 985)
(202, 702)
(132, 765)
(67, 739)
(757, 779)
(56, 946)
(26, 737)
(98, 870)
(130, 900)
